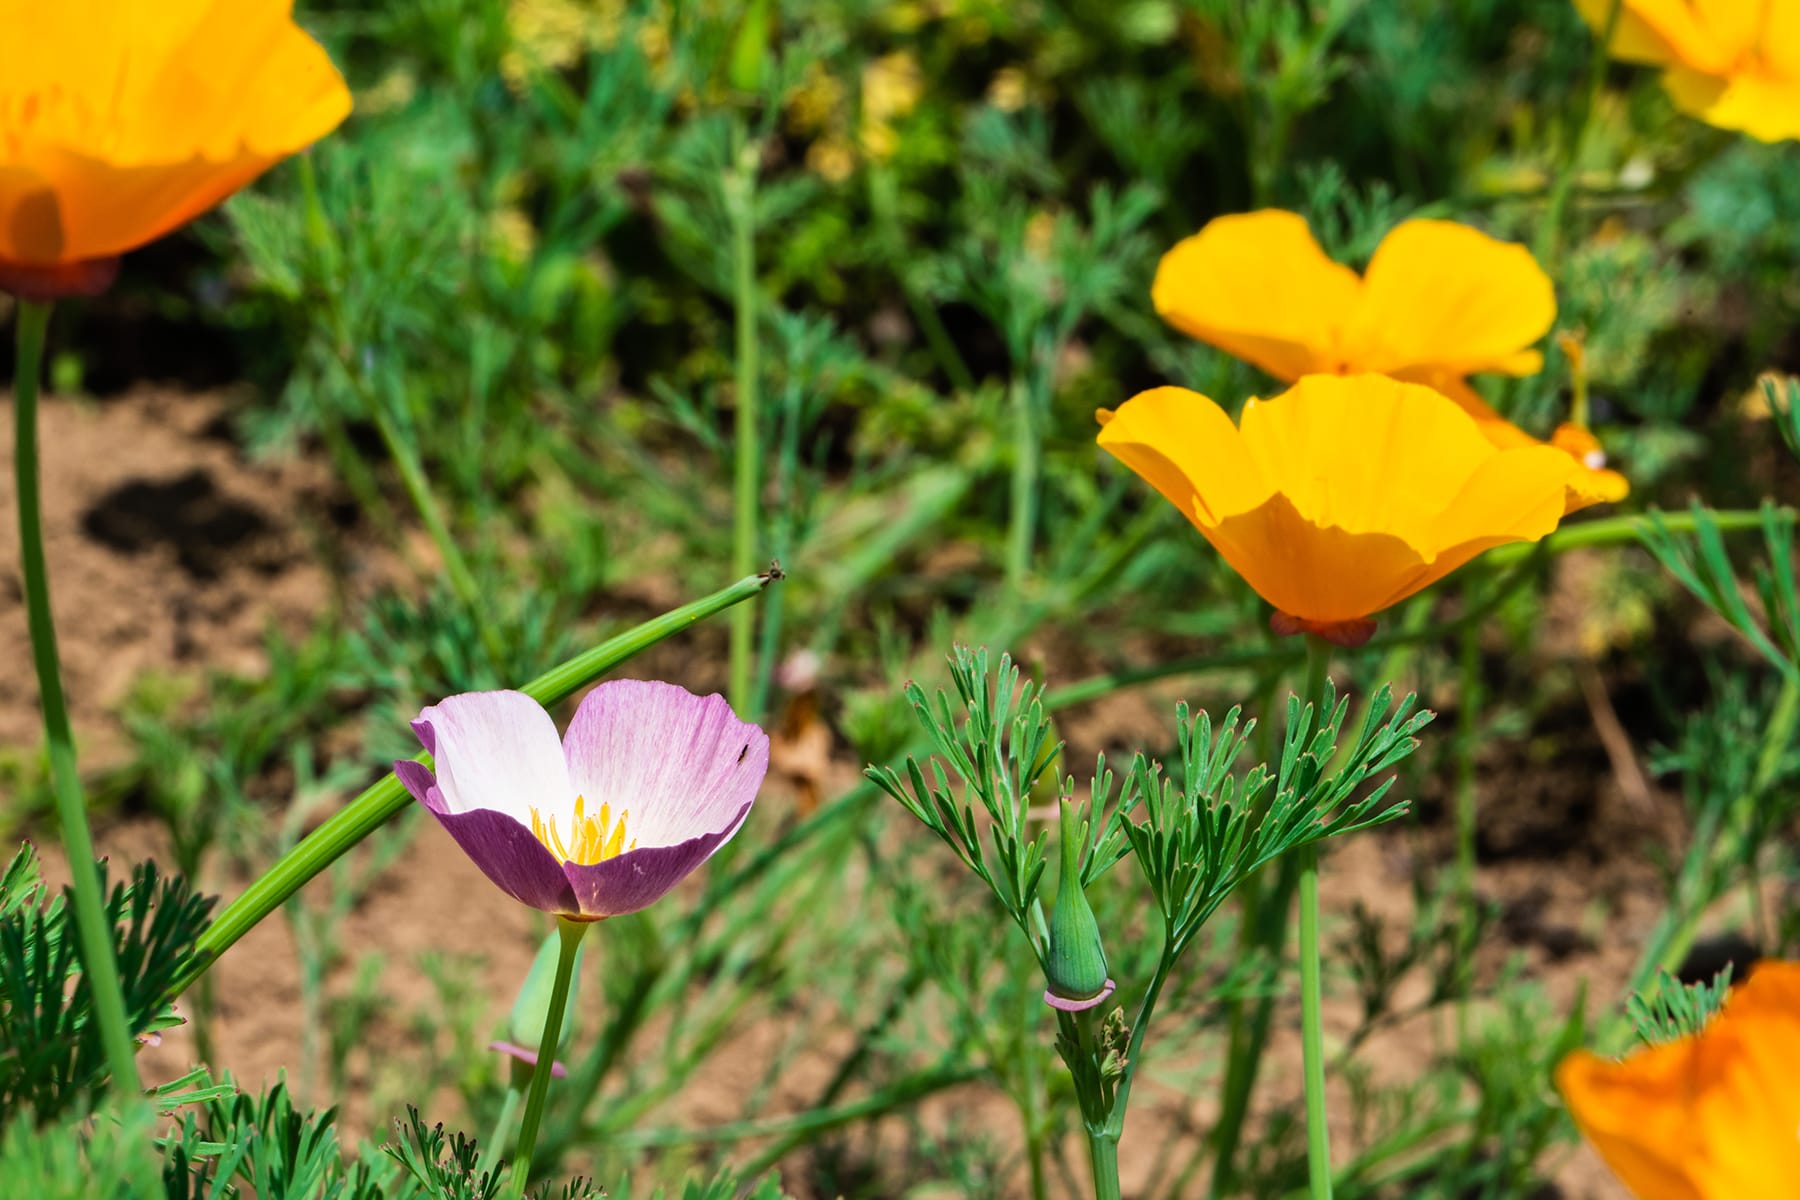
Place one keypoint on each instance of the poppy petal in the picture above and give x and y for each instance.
(512, 858)
(1316, 573)
(1707, 1117)
(1765, 106)
(1444, 295)
(1258, 286)
(1185, 447)
(639, 878)
(1634, 39)
(1514, 495)
(1364, 452)
(496, 751)
(681, 765)
(144, 116)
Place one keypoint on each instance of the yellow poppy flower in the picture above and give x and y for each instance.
(122, 119)
(1715, 1116)
(1439, 302)
(1341, 496)
(1732, 63)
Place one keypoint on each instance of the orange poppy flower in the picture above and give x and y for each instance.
(1731, 63)
(1341, 496)
(122, 119)
(1715, 1116)
(1439, 302)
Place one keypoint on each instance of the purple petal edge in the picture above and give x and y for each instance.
(1068, 1005)
(419, 780)
(639, 878)
(529, 1058)
(515, 861)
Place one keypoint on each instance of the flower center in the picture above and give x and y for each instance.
(592, 839)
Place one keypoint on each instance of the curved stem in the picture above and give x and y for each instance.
(95, 931)
(572, 932)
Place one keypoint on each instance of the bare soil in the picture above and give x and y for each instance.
(170, 551)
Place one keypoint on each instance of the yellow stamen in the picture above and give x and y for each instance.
(592, 839)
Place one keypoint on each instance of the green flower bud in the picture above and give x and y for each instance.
(1076, 964)
(745, 70)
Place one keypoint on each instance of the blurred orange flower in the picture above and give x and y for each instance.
(1341, 496)
(1732, 63)
(122, 119)
(1715, 1116)
(1439, 302)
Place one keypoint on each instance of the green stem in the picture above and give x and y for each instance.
(572, 933)
(1549, 239)
(1103, 1150)
(369, 811)
(741, 202)
(1027, 463)
(418, 490)
(1312, 1033)
(1312, 992)
(1266, 926)
(496, 1140)
(97, 955)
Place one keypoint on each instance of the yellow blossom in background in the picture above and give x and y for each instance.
(891, 87)
(1040, 234)
(831, 158)
(1714, 1116)
(511, 235)
(1731, 63)
(816, 102)
(550, 35)
(1439, 302)
(1343, 495)
(1008, 90)
(123, 119)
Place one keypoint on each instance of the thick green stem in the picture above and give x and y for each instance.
(572, 933)
(1103, 1150)
(741, 203)
(97, 956)
(369, 811)
(1312, 992)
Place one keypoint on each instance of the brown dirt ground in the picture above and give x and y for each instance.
(171, 551)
